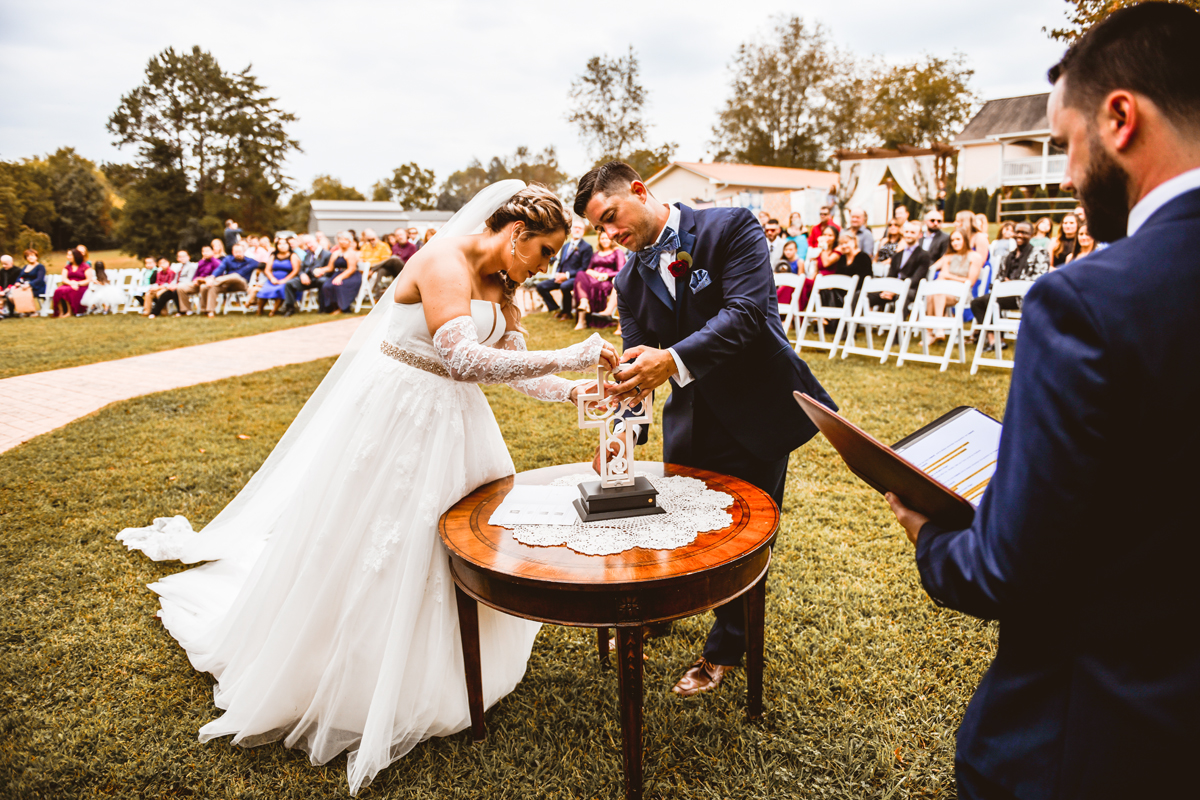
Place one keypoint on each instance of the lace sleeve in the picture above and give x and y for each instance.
(551, 387)
(467, 360)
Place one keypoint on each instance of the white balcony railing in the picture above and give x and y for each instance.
(1024, 171)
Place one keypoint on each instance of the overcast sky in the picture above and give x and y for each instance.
(376, 84)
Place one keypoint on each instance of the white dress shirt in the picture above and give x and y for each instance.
(683, 377)
(1159, 196)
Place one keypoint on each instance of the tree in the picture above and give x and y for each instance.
(923, 102)
(26, 202)
(219, 130)
(324, 187)
(523, 165)
(82, 205)
(412, 187)
(979, 201)
(158, 212)
(648, 161)
(775, 111)
(609, 102)
(1083, 14)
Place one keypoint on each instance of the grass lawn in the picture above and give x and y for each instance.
(36, 344)
(866, 679)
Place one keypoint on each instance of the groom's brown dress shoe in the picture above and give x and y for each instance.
(700, 677)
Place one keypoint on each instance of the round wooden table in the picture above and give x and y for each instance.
(625, 591)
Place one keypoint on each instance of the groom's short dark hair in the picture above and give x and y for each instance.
(603, 179)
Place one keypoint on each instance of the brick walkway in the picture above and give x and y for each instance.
(38, 403)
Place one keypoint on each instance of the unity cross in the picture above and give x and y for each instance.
(615, 422)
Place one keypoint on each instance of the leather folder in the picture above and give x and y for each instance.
(885, 470)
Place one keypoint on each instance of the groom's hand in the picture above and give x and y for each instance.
(648, 368)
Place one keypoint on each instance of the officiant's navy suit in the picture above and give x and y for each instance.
(1086, 545)
(737, 416)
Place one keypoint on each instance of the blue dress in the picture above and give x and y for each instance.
(281, 268)
(341, 296)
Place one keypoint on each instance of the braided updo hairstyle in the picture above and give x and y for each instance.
(539, 209)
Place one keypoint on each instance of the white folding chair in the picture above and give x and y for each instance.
(52, 282)
(792, 308)
(308, 300)
(996, 323)
(131, 284)
(924, 322)
(871, 318)
(240, 301)
(817, 312)
(365, 295)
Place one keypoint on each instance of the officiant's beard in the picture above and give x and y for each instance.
(1104, 194)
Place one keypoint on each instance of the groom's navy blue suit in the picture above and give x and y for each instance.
(737, 416)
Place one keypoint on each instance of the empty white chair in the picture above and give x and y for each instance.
(791, 309)
(923, 322)
(816, 311)
(365, 295)
(131, 284)
(996, 323)
(870, 318)
(52, 282)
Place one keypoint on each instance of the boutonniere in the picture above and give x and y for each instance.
(681, 265)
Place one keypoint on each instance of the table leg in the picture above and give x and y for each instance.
(756, 610)
(602, 644)
(629, 673)
(468, 628)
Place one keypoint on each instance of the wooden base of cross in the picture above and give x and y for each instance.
(619, 492)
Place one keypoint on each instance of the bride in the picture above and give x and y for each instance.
(326, 610)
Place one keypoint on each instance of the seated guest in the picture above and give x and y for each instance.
(218, 248)
(795, 230)
(1066, 243)
(575, 255)
(101, 293)
(788, 264)
(9, 272)
(185, 272)
(339, 294)
(858, 226)
(374, 250)
(34, 273)
(977, 240)
(68, 297)
(911, 261)
(258, 249)
(1086, 244)
(285, 265)
(185, 288)
(315, 270)
(814, 235)
(933, 239)
(414, 236)
(164, 280)
(886, 248)
(1024, 263)
(1041, 233)
(854, 261)
(1002, 246)
(594, 284)
(961, 264)
(827, 262)
(231, 277)
(401, 251)
(775, 240)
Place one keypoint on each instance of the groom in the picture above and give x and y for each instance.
(698, 308)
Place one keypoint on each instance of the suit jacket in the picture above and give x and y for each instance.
(580, 258)
(937, 247)
(916, 268)
(727, 333)
(1085, 544)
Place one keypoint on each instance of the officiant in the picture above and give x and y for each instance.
(700, 310)
(1085, 543)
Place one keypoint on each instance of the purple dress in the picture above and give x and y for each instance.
(341, 296)
(596, 291)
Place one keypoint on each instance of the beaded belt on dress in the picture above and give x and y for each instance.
(430, 365)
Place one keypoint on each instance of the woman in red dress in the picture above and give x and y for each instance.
(68, 296)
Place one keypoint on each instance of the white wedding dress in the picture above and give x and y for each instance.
(327, 611)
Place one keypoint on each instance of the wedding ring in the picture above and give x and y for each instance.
(637, 389)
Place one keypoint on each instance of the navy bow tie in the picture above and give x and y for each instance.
(651, 255)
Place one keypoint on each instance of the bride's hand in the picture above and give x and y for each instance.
(608, 357)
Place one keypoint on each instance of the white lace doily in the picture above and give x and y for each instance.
(692, 508)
